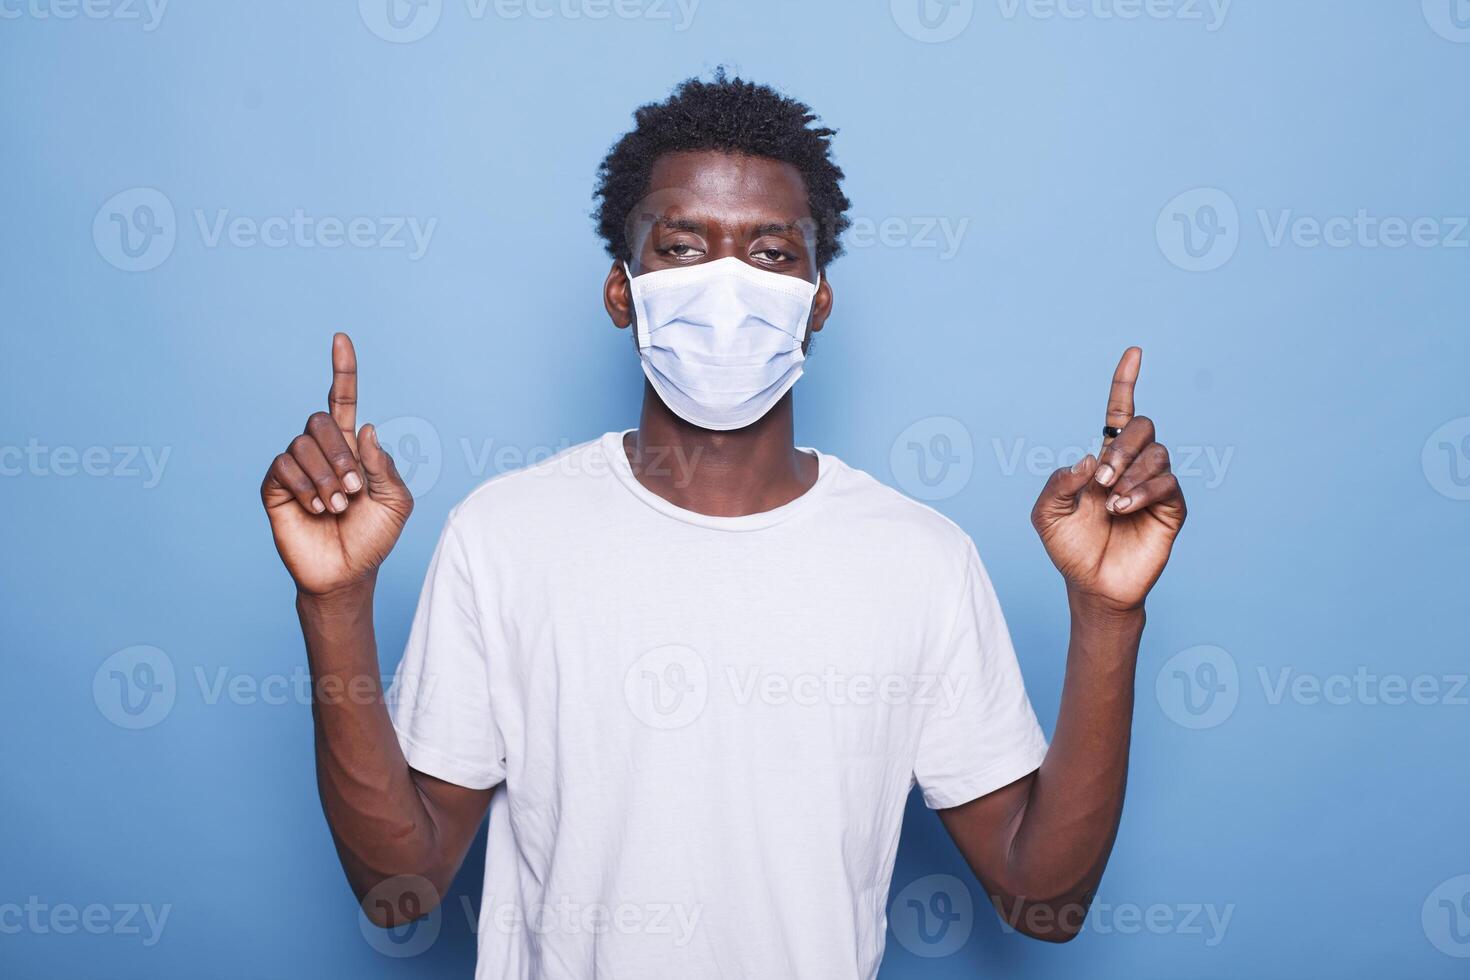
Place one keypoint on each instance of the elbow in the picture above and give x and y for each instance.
(1057, 934)
(1058, 921)
(399, 900)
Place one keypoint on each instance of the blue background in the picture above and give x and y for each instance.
(1327, 537)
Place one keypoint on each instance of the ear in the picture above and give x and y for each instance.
(821, 304)
(617, 298)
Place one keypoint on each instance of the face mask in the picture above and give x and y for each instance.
(721, 341)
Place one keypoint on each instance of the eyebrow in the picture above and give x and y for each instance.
(680, 224)
(765, 228)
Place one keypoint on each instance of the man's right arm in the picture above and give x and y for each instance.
(401, 834)
(337, 506)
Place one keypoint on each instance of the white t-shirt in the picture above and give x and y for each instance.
(704, 728)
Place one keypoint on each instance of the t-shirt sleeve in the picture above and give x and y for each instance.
(440, 700)
(982, 734)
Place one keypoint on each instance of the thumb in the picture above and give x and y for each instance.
(1063, 489)
(383, 482)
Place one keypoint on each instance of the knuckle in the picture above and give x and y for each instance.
(300, 444)
(1144, 423)
(318, 420)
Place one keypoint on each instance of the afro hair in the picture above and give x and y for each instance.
(730, 115)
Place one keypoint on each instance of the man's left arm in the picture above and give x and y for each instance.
(1039, 845)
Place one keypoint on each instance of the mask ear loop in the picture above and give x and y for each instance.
(638, 331)
(806, 328)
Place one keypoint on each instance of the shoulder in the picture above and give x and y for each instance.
(894, 519)
(526, 496)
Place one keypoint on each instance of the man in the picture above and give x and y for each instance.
(692, 670)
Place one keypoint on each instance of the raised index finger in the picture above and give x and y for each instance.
(1120, 396)
(342, 398)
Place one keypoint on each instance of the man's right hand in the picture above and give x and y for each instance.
(335, 500)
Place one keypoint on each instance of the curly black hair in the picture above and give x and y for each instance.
(727, 114)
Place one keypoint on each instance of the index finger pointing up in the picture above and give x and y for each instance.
(342, 398)
(1120, 397)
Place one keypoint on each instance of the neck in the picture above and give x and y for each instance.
(719, 474)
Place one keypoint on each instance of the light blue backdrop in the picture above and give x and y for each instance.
(1269, 197)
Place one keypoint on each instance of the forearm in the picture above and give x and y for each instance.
(382, 824)
(1065, 831)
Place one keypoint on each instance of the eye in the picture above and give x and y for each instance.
(772, 255)
(680, 250)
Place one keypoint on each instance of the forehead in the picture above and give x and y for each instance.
(731, 189)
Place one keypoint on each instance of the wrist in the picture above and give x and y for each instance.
(349, 600)
(1101, 614)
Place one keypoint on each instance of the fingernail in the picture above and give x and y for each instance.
(1105, 474)
(1120, 504)
(317, 505)
(339, 502)
(1080, 465)
(352, 482)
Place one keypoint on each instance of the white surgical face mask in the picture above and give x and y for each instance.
(721, 341)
